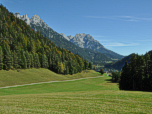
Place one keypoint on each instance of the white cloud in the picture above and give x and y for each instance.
(122, 18)
(104, 40)
(144, 40)
(120, 44)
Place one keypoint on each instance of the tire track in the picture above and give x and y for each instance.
(49, 82)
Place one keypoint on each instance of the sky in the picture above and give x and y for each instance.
(122, 26)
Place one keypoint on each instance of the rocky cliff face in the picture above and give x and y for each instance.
(84, 41)
(23, 17)
(64, 36)
(34, 20)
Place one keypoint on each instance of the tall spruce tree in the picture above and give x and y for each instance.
(90, 65)
(24, 62)
(28, 59)
(141, 73)
(1, 58)
(123, 83)
(134, 70)
(32, 59)
(15, 60)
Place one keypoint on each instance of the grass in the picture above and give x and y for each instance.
(26, 76)
(86, 96)
(108, 61)
(114, 59)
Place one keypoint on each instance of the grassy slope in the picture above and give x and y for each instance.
(96, 95)
(12, 77)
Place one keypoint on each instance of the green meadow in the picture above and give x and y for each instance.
(33, 75)
(85, 96)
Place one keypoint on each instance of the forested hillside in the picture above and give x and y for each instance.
(118, 64)
(137, 74)
(22, 47)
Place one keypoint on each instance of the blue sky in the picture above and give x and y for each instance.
(123, 26)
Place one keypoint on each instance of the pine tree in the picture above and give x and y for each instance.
(43, 60)
(1, 58)
(72, 70)
(24, 62)
(141, 73)
(15, 60)
(18, 51)
(90, 65)
(32, 60)
(28, 59)
(7, 56)
(133, 70)
(50, 63)
(101, 71)
(67, 69)
(86, 64)
(36, 61)
(123, 78)
(46, 62)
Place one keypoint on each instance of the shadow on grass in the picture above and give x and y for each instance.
(137, 90)
(110, 81)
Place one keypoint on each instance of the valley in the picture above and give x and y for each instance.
(43, 71)
(94, 95)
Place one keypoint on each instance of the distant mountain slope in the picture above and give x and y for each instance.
(39, 25)
(87, 41)
(118, 64)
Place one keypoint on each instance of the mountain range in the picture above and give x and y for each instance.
(87, 41)
(83, 44)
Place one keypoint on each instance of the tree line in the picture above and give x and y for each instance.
(137, 74)
(21, 48)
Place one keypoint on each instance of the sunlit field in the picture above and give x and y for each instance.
(86, 96)
(26, 76)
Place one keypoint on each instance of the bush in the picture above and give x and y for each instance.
(101, 71)
(115, 76)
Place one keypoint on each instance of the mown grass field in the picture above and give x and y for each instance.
(26, 76)
(86, 96)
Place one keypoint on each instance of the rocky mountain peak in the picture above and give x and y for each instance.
(84, 41)
(34, 20)
(23, 17)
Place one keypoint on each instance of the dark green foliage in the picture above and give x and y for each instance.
(28, 59)
(1, 58)
(67, 70)
(115, 76)
(7, 59)
(15, 60)
(101, 71)
(36, 61)
(86, 64)
(90, 65)
(24, 62)
(137, 74)
(32, 60)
